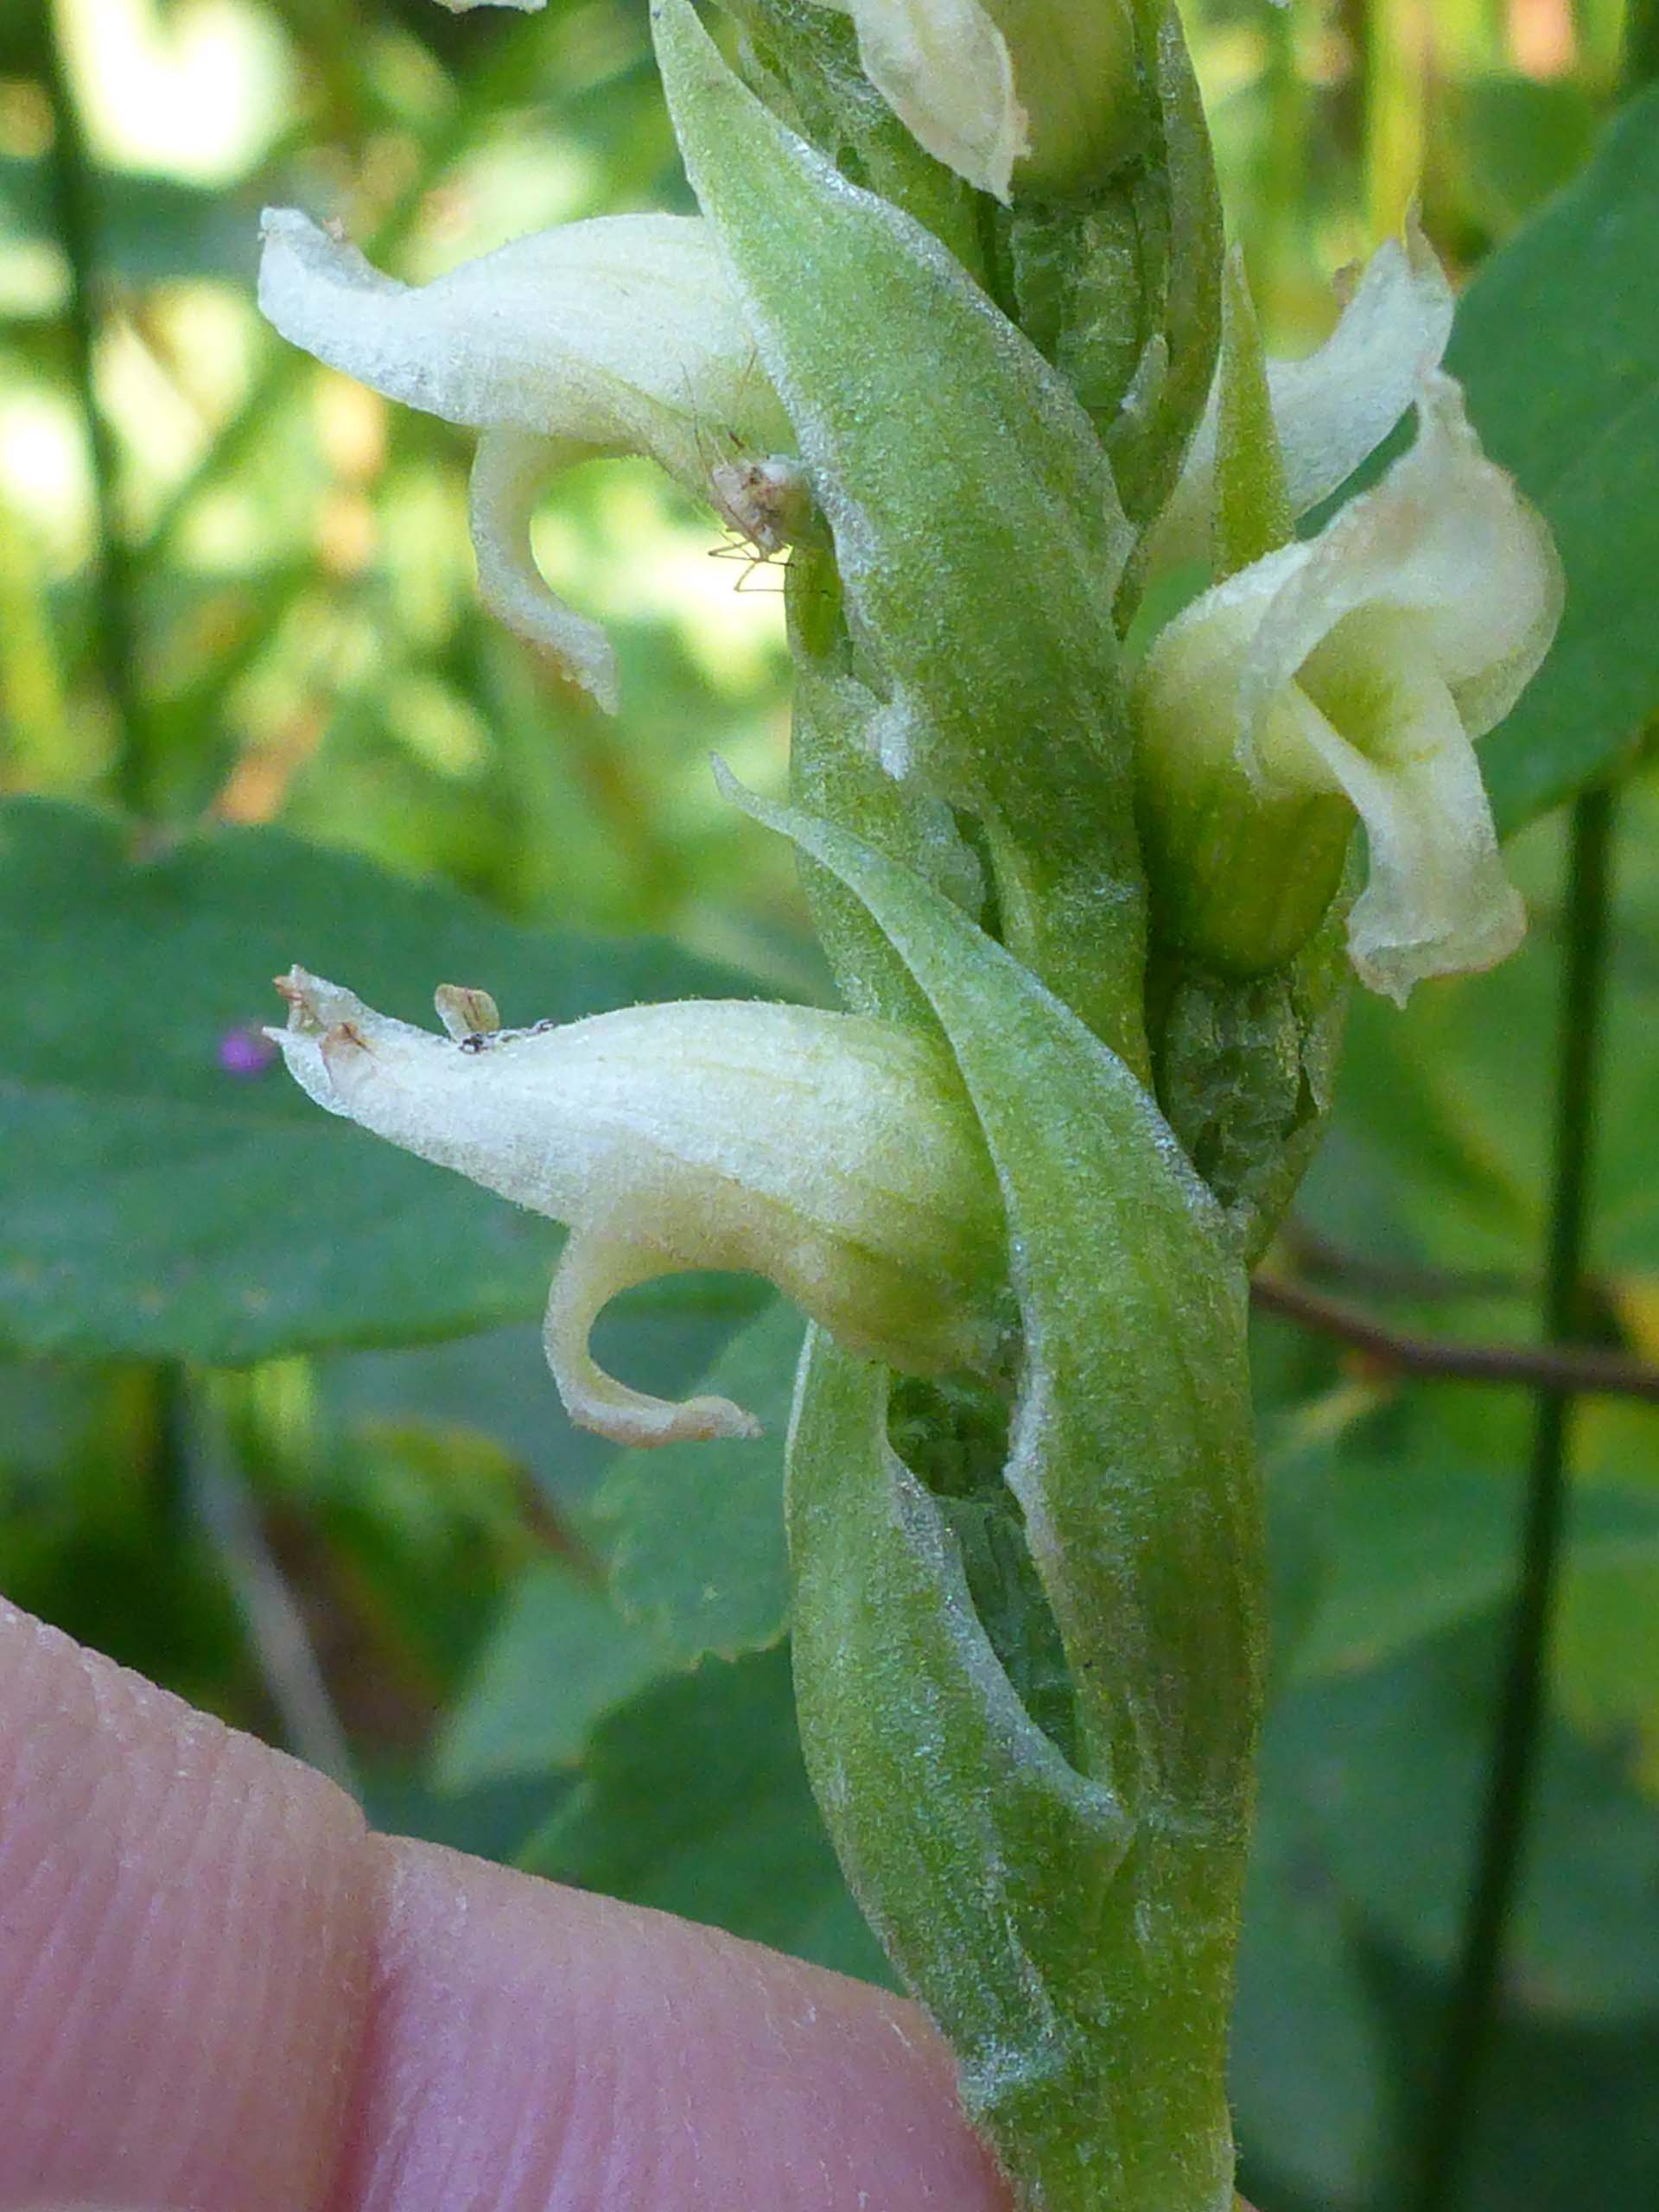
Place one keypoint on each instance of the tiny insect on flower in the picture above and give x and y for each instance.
(765, 498)
(838, 1156)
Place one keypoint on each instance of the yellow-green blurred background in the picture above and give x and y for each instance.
(292, 558)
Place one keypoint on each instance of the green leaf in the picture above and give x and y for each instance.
(1308, 2074)
(153, 1203)
(693, 1799)
(1418, 1539)
(1033, 1908)
(1438, 1151)
(976, 520)
(1394, 1762)
(561, 1657)
(1558, 342)
(1606, 1658)
(697, 1555)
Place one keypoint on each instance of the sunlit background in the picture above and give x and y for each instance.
(287, 628)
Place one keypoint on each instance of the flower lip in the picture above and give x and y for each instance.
(1363, 664)
(618, 335)
(1334, 407)
(835, 1155)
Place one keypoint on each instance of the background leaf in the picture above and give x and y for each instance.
(696, 1531)
(1392, 1762)
(561, 1657)
(1558, 342)
(694, 1799)
(153, 1201)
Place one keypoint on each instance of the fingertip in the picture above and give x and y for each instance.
(551, 2047)
(185, 1962)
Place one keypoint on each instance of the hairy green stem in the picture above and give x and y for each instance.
(74, 210)
(1512, 1782)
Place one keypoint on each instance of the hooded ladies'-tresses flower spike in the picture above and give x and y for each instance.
(618, 335)
(836, 1155)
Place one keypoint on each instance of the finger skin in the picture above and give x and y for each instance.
(220, 1993)
(185, 1946)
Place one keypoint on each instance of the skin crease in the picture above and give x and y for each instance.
(221, 1993)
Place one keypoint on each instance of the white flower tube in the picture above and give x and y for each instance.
(1333, 408)
(990, 86)
(837, 1156)
(618, 335)
(1359, 666)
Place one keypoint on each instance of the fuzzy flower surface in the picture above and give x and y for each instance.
(836, 1155)
(620, 335)
(990, 86)
(1332, 409)
(1363, 663)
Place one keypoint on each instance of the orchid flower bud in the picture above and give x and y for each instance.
(1043, 88)
(1351, 674)
(616, 336)
(1332, 410)
(836, 1155)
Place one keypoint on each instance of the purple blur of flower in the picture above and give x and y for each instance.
(245, 1052)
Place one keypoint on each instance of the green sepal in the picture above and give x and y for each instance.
(1253, 515)
(977, 528)
(803, 60)
(1100, 2080)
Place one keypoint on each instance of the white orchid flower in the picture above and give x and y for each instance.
(837, 1155)
(615, 336)
(986, 86)
(1362, 664)
(1334, 408)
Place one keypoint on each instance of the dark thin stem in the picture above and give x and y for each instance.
(1475, 2001)
(277, 1636)
(1318, 1256)
(1641, 62)
(74, 207)
(1567, 1369)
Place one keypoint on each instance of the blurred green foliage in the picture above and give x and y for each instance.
(243, 612)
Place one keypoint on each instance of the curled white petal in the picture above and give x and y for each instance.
(509, 470)
(943, 68)
(1446, 539)
(836, 1155)
(1436, 900)
(618, 335)
(592, 1269)
(1367, 661)
(1335, 407)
